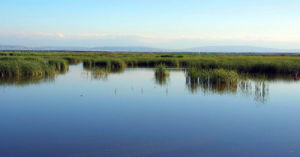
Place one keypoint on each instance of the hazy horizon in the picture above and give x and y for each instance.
(160, 24)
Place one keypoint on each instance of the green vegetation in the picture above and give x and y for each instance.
(111, 65)
(14, 68)
(218, 80)
(161, 74)
(31, 67)
(48, 63)
(213, 76)
(72, 60)
(161, 70)
(59, 65)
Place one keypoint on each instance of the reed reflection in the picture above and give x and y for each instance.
(256, 86)
(261, 91)
(195, 86)
(28, 80)
(101, 71)
(161, 79)
(213, 80)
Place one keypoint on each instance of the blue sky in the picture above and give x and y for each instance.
(155, 23)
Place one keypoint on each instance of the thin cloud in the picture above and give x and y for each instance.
(60, 35)
(157, 40)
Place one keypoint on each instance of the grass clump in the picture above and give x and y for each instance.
(212, 75)
(161, 69)
(161, 74)
(216, 80)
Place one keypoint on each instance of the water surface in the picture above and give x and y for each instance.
(132, 113)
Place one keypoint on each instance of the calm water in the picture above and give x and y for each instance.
(132, 113)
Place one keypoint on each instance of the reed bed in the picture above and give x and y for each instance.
(40, 63)
(240, 63)
(111, 65)
(31, 66)
(24, 68)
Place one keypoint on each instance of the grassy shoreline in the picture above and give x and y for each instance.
(48, 63)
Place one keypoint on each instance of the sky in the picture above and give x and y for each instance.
(153, 23)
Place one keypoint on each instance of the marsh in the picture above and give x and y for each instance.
(97, 112)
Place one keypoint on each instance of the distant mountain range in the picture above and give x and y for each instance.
(206, 49)
(241, 49)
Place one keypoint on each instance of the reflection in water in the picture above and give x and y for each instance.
(59, 69)
(296, 75)
(261, 91)
(212, 80)
(97, 73)
(167, 91)
(161, 74)
(268, 77)
(23, 81)
(256, 86)
(88, 116)
(245, 87)
(253, 86)
(102, 73)
(161, 79)
(210, 86)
